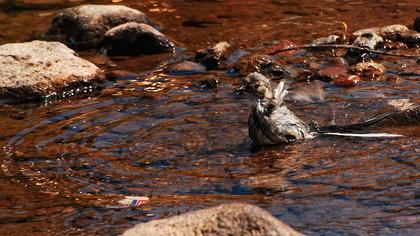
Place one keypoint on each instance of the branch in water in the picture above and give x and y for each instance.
(345, 46)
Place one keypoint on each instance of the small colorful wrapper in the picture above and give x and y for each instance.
(134, 201)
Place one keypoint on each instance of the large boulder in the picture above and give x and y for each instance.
(227, 219)
(84, 26)
(37, 69)
(135, 38)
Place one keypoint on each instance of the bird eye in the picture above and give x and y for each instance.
(290, 138)
(256, 86)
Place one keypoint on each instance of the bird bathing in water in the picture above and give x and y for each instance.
(272, 122)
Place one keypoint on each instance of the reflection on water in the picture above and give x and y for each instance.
(65, 164)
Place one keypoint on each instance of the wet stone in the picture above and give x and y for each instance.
(133, 38)
(226, 219)
(326, 40)
(346, 81)
(208, 83)
(282, 45)
(368, 40)
(266, 183)
(186, 68)
(84, 26)
(330, 73)
(264, 64)
(369, 69)
(37, 69)
(121, 75)
(211, 58)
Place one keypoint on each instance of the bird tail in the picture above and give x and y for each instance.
(347, 130)
(367, 135)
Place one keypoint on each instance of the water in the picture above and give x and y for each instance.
(64, 164)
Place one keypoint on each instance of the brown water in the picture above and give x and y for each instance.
(64, 164)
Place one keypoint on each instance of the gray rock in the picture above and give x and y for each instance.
(227, 219)
(212, 57)
(84, 26)
(37, 69)
(135, 38)
(368, 40)
(387, 32)
(326, 40)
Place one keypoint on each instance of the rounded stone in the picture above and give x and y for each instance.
(84, 26)
(37, 69)
(134, 39)
(227, 219)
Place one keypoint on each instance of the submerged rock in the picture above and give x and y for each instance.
(227, 219)
(330, 73)
(84, 26)
(346, 81)
(267, 183)
(37, 69)
(264, 64)
(135, 38)
(186, 68)
(210, 82)
(369, 69)
(282, 45)
(212, 57)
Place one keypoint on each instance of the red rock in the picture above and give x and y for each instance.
(369, 69)
(346, 81)
(393, 79)
(186, 68)
(281, 45)
(331, 73)
(120, 74)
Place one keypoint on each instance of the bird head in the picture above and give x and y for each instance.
(257, 85)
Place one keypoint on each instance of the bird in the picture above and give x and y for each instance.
(272, 122)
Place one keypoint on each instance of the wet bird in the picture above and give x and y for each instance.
(272, 122)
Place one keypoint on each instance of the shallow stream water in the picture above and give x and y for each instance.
(65, 163)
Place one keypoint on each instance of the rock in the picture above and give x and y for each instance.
(264, 64)
(208, 83)
(394, 33)
(267, 183)
(186, 68)
(133, 38)
(369, 69)
(392, 45)
(411, 38)
(346, 81)
(37, 69)
(281, 45)
(368, 40)
(84, 26)
(226, 219)
(212, 57)
(330, 73)
(416, 24)
(326, 40)
(121, 75)
(252, 63)
(386, 32)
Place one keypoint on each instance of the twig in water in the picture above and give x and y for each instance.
(345, 46)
